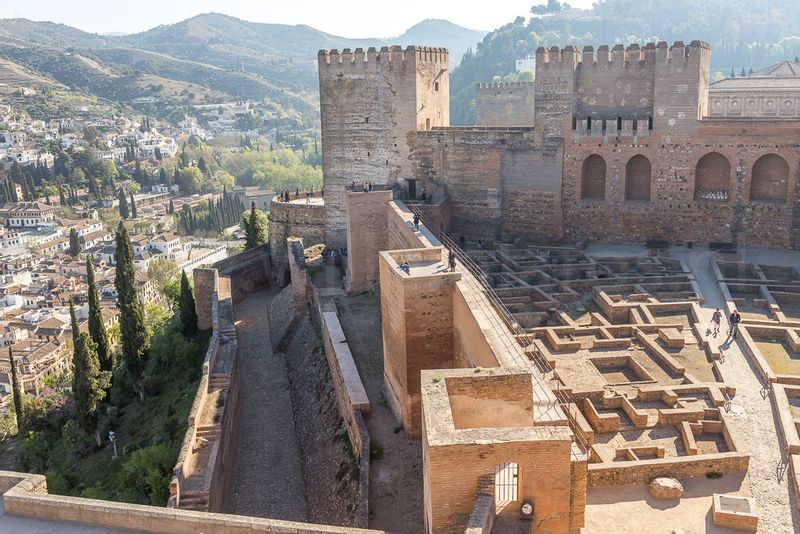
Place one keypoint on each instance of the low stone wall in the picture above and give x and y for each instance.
(280, 315)
(26, 495)
(632, 472)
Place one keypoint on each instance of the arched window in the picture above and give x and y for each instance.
(637, 178)
(712, 177)
(770, 179)
(593, 178)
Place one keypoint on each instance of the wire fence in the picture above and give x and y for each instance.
(511, 334)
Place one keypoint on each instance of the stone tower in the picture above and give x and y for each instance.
(369, 104)
(681, 87)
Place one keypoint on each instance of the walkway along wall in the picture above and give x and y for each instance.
(202, 472)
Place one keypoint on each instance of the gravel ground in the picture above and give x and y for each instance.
(267, 479)
(752, 418)
(395, 491)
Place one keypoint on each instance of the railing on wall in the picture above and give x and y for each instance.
(510, 332)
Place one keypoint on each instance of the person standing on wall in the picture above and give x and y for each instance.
(734, 319)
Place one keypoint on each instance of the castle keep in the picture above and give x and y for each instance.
(609, 144)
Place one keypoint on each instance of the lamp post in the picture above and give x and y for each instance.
(112, 436)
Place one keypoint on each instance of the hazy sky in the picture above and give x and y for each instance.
(348, 18)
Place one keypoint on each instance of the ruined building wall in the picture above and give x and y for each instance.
(369, 103)
(504, 104)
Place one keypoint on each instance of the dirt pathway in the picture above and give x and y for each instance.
(267, 479)
(752, 418)
(395, 491)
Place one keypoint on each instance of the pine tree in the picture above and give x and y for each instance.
(131, 311)
(188, 312)
(133, 206)
(97, 328)
(16, 391)
(90, 383)
(74, 243)
(743, 74)
(123, 204)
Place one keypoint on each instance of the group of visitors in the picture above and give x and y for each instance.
(286, 195)
(367, 187)
(734, 320)
(329, 255)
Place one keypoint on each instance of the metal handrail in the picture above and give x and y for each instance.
(520, 336)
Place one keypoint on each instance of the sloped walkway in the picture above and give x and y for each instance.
(752, 419)
(267, 479)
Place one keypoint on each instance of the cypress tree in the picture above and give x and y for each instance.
(74, 243)
(73, 323)
(162, 176)
(90, 383)
(254, 233)
(123, 204)
(97, 328)
(188, 312)
(16, 391)
(131, 311)
(133, 206)
(171, 209)
(47, 196)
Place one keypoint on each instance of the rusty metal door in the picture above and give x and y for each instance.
(506, 483)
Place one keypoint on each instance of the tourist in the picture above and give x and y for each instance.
(715, 321)
(405, 267)
(734, 319)
(308, 197)
(353, 186)
(416, 221)
(424, 196)
(451, 261)
(297, 192)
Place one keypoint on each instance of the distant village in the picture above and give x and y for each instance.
(44, 245)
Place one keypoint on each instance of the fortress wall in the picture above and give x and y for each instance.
(499, 182)
(367, 235)
(616, 82)
(673, 214)
(504, 104)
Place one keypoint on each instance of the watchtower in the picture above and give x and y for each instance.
(369, 104)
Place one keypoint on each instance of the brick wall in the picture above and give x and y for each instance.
(673, 213)
(453, 472)
(621, 473)
(367, 235)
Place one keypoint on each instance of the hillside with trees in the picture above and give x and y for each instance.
(743, 34)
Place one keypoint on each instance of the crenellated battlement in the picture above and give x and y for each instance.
(387, 54)
(620, 55)
(506, 85)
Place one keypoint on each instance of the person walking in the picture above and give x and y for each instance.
(416, 221)
(716, 319)
(353, 187)
(734, 319)
(451, 261)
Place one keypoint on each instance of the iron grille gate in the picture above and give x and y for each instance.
(506, 482)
